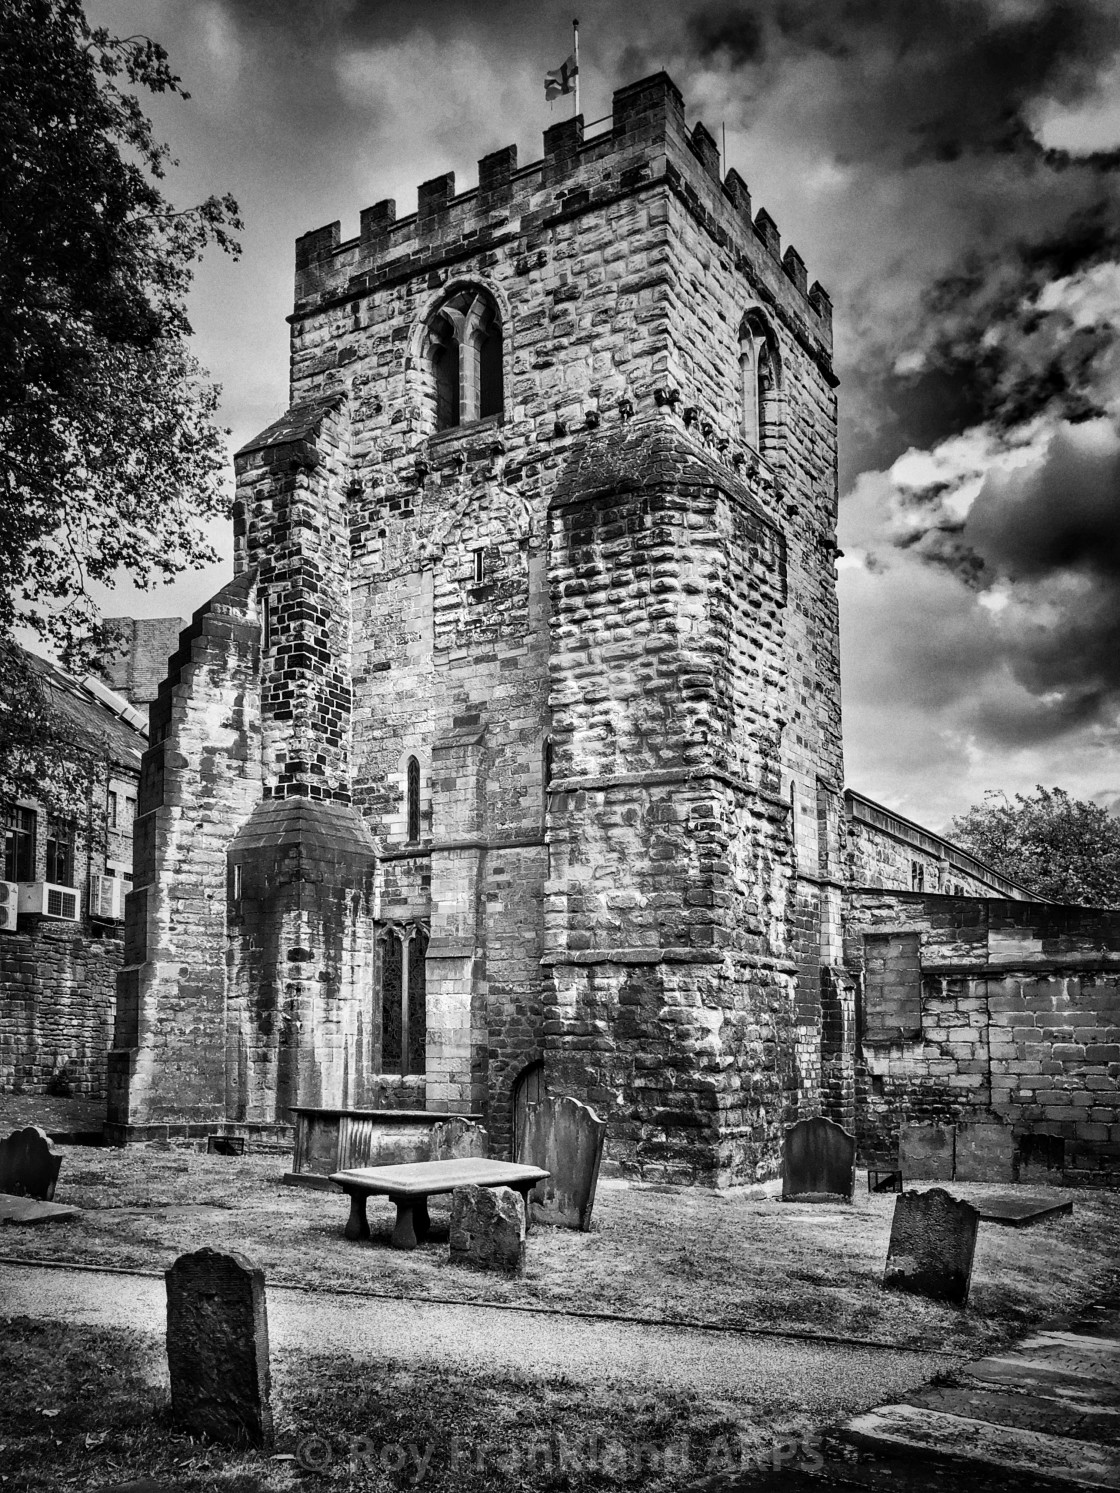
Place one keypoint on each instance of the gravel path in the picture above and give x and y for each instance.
(823, 1379)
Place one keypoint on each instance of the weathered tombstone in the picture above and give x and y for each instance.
(217, 1348)
(985, 1151)
(488, 1228)
(925, 1152)
(455, 1138)
(818, 1161)
(933, 1239)
(564, 1138)
(28, 1166)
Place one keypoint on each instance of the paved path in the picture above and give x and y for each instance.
(825, 1379)
(1048, 1407)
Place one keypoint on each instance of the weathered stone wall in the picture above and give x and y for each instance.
(994, 1008)
(58, 988)
(135, 668)
(885, 851)
(199, 780)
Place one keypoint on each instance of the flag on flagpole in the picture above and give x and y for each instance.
(562, 79)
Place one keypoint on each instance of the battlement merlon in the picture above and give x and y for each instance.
(645, 146)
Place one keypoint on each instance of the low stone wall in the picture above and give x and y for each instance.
(987, 1009)
(57, 999)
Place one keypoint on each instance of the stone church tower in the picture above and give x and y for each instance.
(515, 740)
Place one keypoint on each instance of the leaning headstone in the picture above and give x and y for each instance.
(217, 1348)
(564, 1138)
(28, 1166)
(933, 1240)
(985, 1152)
(818, 1161)
(925, 1152)
(488, 1228)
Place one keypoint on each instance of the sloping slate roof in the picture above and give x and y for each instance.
(648, 452)
(92, 721)
(296, 424)
(311, 824)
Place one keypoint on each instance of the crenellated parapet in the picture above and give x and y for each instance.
(645, 147)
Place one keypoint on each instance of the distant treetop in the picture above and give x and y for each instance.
(1065, 849)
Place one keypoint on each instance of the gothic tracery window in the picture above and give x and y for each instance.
(403, 990)
(463, 345)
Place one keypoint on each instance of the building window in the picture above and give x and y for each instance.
(60, 852)
(412, 777)
(19, 845)
(760, 384)
(463, 346)
(479, 567)
(917, 876)
(404, 1015)
(114, 808)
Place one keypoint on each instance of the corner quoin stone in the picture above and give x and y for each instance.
(217, 1348)
(488, 1228)
(933, 1241)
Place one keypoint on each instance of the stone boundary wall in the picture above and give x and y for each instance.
(1010, 1010)
(58, 994)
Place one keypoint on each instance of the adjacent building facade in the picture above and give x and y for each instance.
(62, 890)
(512, 753)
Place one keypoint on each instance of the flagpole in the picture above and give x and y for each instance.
(575, 49)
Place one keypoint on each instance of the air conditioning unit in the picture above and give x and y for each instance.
(9, 905)
(45, 900)
(106, 897)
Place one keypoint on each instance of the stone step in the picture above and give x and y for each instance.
(909, 1430)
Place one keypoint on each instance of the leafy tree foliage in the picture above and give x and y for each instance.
(1063, 848)
(110, 458)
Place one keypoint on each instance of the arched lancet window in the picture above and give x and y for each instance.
(464, 346)
(404, 1005)
(760, 380)
(412, 799)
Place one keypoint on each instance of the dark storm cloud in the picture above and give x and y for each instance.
(1063, 516)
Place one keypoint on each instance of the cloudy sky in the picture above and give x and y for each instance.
(949, 171)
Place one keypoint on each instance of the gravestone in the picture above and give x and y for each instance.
(933, 1239)
(488, 1228)
(565, 1138)
(28, 1166)
(217, 1348)
(985, 1151)
(455, 1138)
(818, 1161)
(926, 1152)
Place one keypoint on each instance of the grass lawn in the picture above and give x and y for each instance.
(92, 1412)
(678, 1254)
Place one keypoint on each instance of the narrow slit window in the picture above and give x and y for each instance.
(413, 800)
(479, 567)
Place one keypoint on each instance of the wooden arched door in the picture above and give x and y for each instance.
(528, 1088)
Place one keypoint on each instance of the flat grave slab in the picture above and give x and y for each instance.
(1019, 1212)
(19, 1210)
(1039, 1410)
